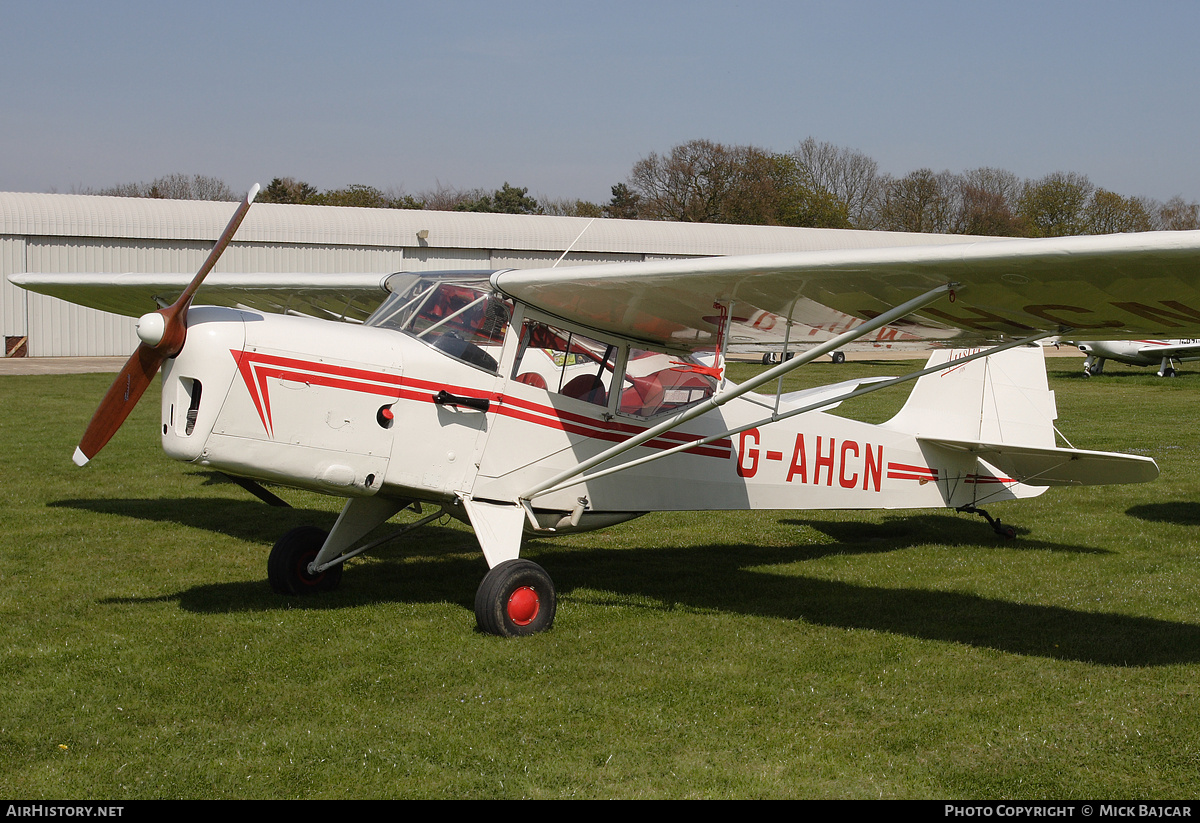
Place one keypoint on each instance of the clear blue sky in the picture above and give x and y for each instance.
(563, 97)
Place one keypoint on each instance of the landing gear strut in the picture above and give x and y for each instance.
(1005, 531)
(515, 599)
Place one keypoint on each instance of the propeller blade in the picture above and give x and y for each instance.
(185, 299)
(175, 315)
(138, 372)
(131, 383)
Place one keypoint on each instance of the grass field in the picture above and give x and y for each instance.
(771, 654)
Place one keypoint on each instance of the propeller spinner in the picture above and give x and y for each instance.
(162, 334)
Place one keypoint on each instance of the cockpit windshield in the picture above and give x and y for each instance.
(458, 315)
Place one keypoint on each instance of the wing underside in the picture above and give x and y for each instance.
(329, 296)
(1099, 287)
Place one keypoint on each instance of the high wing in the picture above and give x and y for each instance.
(1093, 287)
(1097, 287)
(328, 296)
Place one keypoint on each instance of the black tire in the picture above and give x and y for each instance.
(1168, 372)
(839, 357)
(287, 567)
(515, 599)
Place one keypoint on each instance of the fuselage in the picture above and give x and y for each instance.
(1138, 352)
(461, 393)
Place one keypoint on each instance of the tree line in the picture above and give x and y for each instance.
(816, 184)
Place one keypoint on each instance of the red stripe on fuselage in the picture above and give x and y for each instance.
(256, 368)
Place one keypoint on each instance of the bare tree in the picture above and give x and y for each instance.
(690, 184)
(565, 207)
(445, 197)
(174, 187)
(850, 176)
(921, 201)
(987, 203)
(1177, 215)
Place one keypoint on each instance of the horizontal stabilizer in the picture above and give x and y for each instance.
(1038, 466)
(836, 392)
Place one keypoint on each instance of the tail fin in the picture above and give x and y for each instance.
(1003, 398)
(1000, 411)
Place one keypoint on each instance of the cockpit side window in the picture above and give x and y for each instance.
(657, 383)
(565, 363)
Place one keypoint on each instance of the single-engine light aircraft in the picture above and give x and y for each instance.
(564, 399)
(1162, 353)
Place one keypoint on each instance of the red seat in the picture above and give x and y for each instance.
(532, 378)
(586, 387)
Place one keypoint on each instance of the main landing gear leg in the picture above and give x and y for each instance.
(1005, 531)
(307, 560)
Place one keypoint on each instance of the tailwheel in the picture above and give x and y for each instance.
(287, 567)
(515, 599)
(1003, 529)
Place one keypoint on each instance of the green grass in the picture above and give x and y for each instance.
(769, 654)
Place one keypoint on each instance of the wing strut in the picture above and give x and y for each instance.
(722, 398)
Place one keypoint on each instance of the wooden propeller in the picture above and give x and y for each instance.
(162, 334)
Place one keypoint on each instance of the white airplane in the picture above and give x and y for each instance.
(555, 400)
(1161, 353)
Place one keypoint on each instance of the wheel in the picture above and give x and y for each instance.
(515, 599)
(287, 567)
(1168, 372)
(839, 357)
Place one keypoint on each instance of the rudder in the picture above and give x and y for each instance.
(1002, 398)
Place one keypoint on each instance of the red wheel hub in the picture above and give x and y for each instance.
(302, 572)
(523, 605)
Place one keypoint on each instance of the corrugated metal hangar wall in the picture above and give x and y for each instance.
(47, 233)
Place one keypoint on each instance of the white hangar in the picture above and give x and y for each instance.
(49, 233)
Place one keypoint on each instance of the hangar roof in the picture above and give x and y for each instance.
(77, 215)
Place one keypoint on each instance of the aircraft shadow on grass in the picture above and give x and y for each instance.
(442, 564)
(1179, 512)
